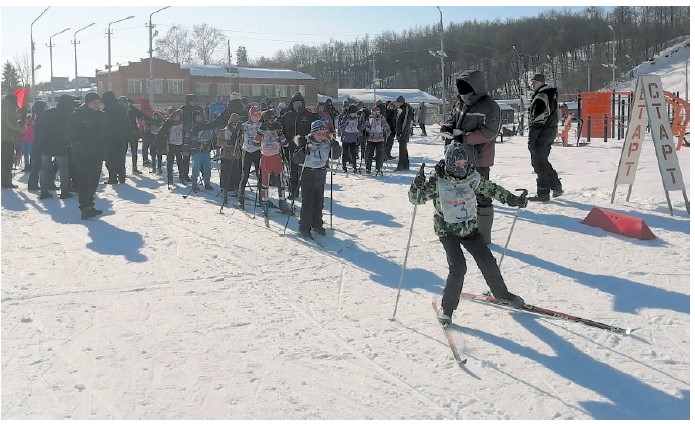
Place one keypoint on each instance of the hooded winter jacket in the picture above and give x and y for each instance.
(87, 131)
(298, 122)
(9, 121)
(51, 128)
(480, 122)
(120, 132)
(543, 116)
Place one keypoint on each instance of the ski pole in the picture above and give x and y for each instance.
(524, 193)
(407, 248)
(331, 208)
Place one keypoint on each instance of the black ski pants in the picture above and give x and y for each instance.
(539, 145)
(230, 174)
(248, 159)
(475, 245)
(115, 163)
(389, 144)
(350, 155)
(403, 159)
(375, 148)
(311, 213)
(175, 151)
(88, 172)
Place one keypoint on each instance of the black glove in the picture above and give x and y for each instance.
(520, 201)
(419, 180)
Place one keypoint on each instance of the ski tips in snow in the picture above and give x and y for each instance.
(447, 334)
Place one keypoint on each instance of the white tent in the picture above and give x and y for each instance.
(411, 95)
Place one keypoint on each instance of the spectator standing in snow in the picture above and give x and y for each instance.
(543, 122)
(54, 144)
(119, 137)
(296, 122)
(10, 129)
(391, 113)
(37, 110)
(477, 119)
(453, 189)
(87, 131)
(422, 118)
(404, 126)
(229, 139)
(313, 154)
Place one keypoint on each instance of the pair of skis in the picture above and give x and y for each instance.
(536, 310)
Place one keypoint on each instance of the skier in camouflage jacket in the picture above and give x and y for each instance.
(453, 189)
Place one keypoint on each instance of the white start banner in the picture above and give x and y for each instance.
(650, 113)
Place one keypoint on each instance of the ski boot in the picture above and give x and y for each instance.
(284, 207)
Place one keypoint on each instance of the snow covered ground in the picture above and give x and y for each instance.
(163, 308)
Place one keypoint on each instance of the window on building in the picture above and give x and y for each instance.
(202, 88)
(269, 91)
(302, 90)
(281, 91)
(256, 90)
(224, 89)
(175, 86)
(134, 86)
(155, 87)
(245, 90)
(100, 87)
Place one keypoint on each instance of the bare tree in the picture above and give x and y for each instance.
(204, 41)
(175, 46)
(22, 63)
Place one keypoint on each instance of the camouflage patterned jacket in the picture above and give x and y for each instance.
(430, 192)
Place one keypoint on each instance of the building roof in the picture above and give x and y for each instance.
(251, 73)
(411, 95)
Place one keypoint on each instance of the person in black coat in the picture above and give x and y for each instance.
(296, 122)
(390, 113)
(37, 110)
(403, 129)
(133, 115)
(51, 131)
(87, 132)
(120, 136)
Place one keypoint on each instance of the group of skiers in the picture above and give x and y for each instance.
(294, 143)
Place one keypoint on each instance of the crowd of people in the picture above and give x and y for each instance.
(292, 147)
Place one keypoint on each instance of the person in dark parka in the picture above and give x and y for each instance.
(37, 110)
(477, 119)
(87, 132)
(119, 137)
(296, 122)
(51, 132)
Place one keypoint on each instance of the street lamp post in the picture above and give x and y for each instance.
(74, 41)
(150, 82)
(613, 66)
(50, 50)
(108, 33)
(441, 56)
(33, 47)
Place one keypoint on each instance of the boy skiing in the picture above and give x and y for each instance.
(201, 143)
(313, 154)
(378, 131)
(453, 189)
(250, 152)
(271, 139)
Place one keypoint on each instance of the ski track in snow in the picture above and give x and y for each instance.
(165, 309)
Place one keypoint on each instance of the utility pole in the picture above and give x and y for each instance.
(108, 33)
(374, 76)
(150, 83)
(441, 56)
(50, 50)
(75, 42)
(613, 63)
(229, 65)
(33, 46)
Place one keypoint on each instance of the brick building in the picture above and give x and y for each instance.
(171, 83)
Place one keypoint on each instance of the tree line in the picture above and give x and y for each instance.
(570, 48)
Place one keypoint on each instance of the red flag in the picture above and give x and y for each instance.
(22, 96)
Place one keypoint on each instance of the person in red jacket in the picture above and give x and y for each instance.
(475, 122)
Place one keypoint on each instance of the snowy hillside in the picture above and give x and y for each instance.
(163, 308)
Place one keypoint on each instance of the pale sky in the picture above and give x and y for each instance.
(262, 30)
